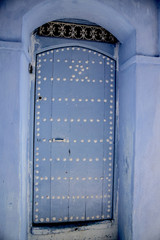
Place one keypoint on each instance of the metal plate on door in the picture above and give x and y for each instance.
(74, 136)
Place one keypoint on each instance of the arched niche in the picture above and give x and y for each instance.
(100, 13)
(104, 15)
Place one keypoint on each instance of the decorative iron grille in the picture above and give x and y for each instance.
(76, 31)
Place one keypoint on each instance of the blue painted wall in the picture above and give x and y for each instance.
(9, 141)
(136, 24)
(146, 181)
(126, 86)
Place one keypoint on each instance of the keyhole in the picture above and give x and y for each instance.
(69, 151)
(40, 98)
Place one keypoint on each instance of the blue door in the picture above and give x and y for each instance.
(74, 135)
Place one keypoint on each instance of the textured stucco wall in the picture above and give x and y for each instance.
(126, 86)
(9, 144)
(140, 14)
(146, 206)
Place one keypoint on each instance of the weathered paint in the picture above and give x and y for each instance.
(135, 24)
(98, 231)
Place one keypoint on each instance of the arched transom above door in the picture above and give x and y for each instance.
(90, 32)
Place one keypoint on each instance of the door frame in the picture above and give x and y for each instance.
(110, 224)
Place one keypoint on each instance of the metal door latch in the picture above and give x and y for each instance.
(58, 139)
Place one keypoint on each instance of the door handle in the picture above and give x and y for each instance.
(58, 139)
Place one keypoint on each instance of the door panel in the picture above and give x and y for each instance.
(74, 136)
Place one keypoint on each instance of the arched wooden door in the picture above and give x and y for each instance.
(74, 135)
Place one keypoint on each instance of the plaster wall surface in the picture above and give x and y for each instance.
(9, 142)
(146, 182)
(141, 14)
(126, 88)
(25, 141)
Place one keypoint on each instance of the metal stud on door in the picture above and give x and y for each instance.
(74, 136)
